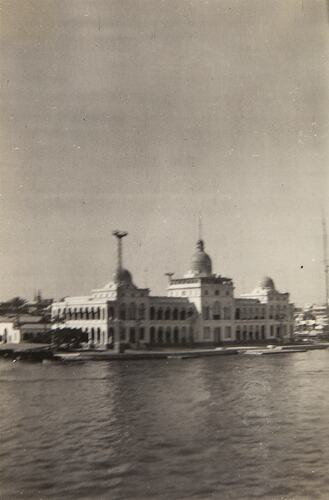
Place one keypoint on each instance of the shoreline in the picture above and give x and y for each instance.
(43, 352)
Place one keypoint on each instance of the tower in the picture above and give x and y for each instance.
(119, 235)
(325, 260)
(120, 276)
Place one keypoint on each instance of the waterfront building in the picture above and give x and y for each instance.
(9, 333)
(311, 322)
(199, 309)
(24, 328)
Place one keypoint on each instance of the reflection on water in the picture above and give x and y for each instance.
(235, 428)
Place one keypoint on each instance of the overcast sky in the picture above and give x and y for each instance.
(140, 114)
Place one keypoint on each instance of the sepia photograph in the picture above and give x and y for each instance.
(164, 249)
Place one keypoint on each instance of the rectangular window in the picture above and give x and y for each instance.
(227, 313)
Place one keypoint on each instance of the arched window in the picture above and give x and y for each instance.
(191, 334)
(132, 311)
(183, 314)
(263, 331)
(167, 314)
(175, 314)
(190, 313)
(152, 313)
(216, 310)
(111, 335)
(92, 333)
(141, 311)
(168, 335)
(132, 335)
(159, 314)
(237, 313)
(176, 335)
(122, 314)
(141, 333)
(152, 335)
(98, 335)
(183, 334)
(160, 335)
(111, 312)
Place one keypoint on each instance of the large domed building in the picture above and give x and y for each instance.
(200, 309)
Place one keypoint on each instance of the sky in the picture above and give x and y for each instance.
(141, 114)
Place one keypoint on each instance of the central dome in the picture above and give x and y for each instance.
(268, 283)
(201, 262)
(122, 276)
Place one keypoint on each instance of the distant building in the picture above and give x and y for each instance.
(200, 309)
(312, 322)
(9, 334)
(24, 328)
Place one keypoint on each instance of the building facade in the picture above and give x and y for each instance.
(199, 309)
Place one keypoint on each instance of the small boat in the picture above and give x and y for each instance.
(271, 352)
(182, 356)
(68, 357)
(251, 353)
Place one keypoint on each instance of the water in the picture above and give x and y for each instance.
(233, 427)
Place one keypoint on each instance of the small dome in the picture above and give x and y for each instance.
(122, 276)
(267, 282)
(201, 262)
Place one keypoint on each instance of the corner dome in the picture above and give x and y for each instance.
(122, 276)
(267, 283)
(201, 262)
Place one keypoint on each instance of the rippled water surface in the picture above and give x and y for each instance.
(234, 427)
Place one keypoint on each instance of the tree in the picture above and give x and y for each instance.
(14, 305)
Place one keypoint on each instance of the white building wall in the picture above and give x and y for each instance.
(9, 334)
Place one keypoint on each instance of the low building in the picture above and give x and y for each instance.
(199, 309)
(9, 333)
(24, 328)
(312, 322)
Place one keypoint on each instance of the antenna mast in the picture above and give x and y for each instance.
(200, 226)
